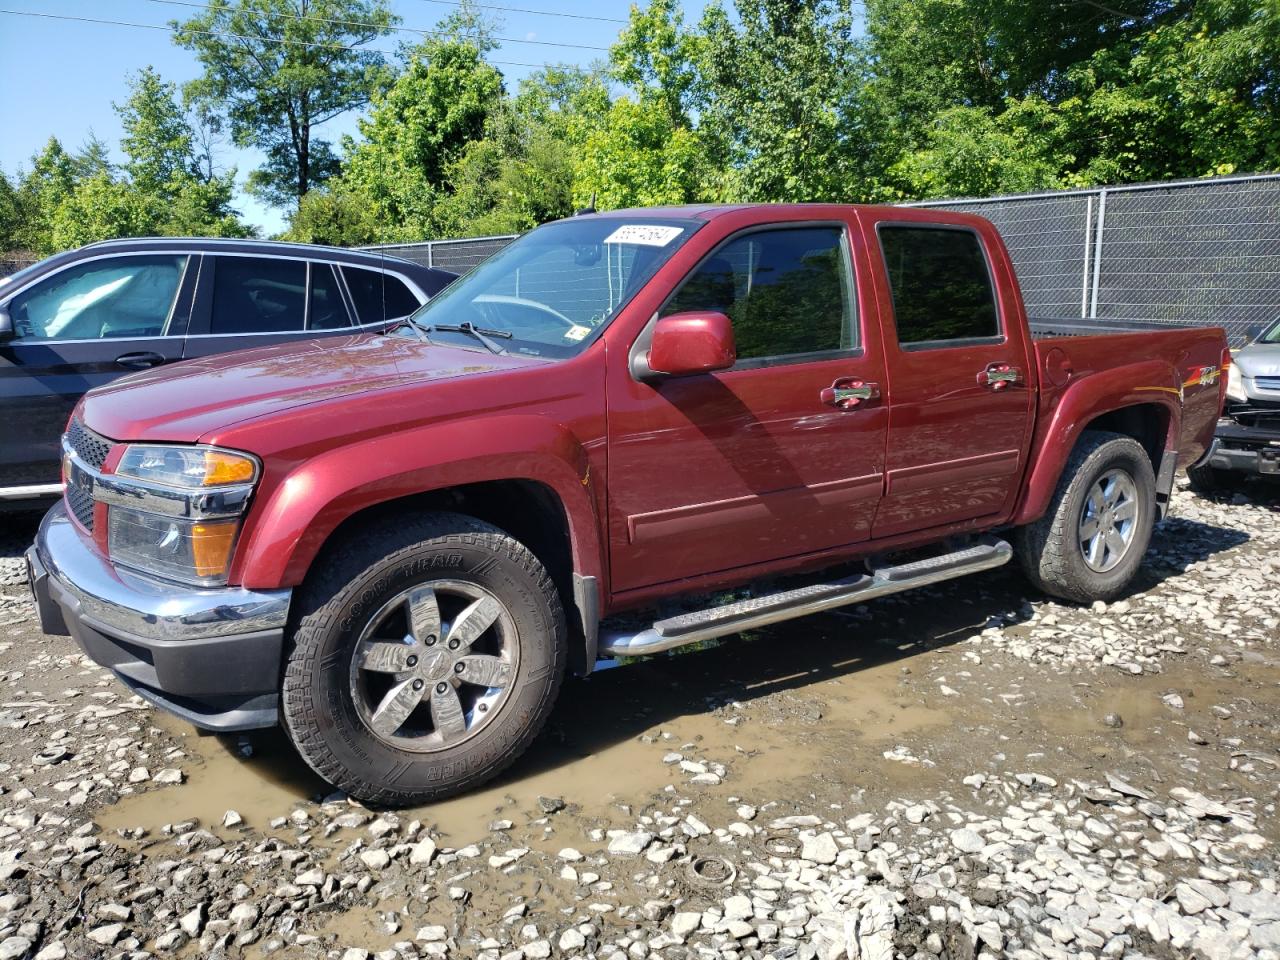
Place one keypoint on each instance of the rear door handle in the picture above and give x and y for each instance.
(139, 361)
(999, 376)
(848, 393)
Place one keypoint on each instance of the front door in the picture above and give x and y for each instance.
(760, 462)
(76, 329)
(961, 408)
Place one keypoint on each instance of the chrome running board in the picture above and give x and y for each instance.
(985, 554)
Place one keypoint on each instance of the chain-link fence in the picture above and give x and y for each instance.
(458, 256)
(10, 265)
(1195, 252)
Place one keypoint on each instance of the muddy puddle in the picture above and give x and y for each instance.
(778, 709)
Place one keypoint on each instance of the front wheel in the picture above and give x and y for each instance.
(1091, 540)
(427, 656)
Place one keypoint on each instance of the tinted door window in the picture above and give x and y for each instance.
(786, 291)
(378, 296)
(111, 298)
(325, 310)
(941, 285)
(252, 295)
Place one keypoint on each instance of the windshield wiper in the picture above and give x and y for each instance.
(408, 321)
(480, 333)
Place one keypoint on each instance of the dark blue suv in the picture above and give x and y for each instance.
(83, 318)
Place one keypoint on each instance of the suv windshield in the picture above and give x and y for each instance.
(556, 286)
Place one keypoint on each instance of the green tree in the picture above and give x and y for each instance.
(333, 216)
(280, 68)
(173, 185)
(780, 84)
(39, 194)
(417, 130)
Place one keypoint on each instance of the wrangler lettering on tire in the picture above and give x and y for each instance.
(428, 653)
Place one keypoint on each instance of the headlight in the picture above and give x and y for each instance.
(191, 468)
(1235, 385)
(175, 511)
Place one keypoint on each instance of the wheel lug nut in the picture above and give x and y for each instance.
(417, 684)
(482, 707)
(459, 667)
(453, 644)
(412, 661)
(431, 640)
(441, 687)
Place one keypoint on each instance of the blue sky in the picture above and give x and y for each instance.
(60, 78)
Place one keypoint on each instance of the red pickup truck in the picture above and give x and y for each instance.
(397, 544)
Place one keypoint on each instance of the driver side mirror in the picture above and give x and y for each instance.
(684, 344)
(1254, 332)
(6, 325)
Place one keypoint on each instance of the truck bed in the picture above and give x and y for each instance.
(1043, 328)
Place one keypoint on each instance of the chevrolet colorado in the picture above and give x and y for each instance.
(397, 544)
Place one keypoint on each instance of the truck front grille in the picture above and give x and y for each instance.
(91, 448)
(80, 504)
(1268, 383)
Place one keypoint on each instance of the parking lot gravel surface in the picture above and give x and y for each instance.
(967, 771)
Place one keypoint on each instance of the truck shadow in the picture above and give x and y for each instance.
(598, 715)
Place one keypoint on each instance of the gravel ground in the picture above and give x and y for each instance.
(966, 771)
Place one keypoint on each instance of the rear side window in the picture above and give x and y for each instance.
(379, 296)
(252, 295)
(941, 285)
(325, 310)
(786, 291)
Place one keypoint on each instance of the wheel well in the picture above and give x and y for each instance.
(527, 510)
(1148, 423)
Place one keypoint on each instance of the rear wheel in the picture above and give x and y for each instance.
(427, 657)
(1090, 542)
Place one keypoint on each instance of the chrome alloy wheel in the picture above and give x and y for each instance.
(434, 665)
(1109, 520)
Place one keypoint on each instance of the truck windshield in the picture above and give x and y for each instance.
(556, 286)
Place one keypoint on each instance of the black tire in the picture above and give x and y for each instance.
(352, 588)
(1050, 549)
(1209, 480)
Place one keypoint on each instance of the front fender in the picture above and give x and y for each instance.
(286, 530)
(1078, 404)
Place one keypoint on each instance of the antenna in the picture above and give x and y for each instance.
(589, 208)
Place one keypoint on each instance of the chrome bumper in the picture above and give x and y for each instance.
(142, 607)
(210, 655)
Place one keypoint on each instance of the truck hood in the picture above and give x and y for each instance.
(1259, 360)
(184, 402)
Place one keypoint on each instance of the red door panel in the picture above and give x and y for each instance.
(723, 470)
(960, 409)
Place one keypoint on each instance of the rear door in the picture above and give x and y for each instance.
(254, 301)
(82, 327)
(753, 464)
(958, 360)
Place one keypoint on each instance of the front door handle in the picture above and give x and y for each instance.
(848, 393)
(999, 376)
(139, 361)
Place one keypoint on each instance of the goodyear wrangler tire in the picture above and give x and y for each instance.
(1090, 542)
(427, 655)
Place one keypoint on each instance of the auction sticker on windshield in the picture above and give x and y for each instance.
(644, 234)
